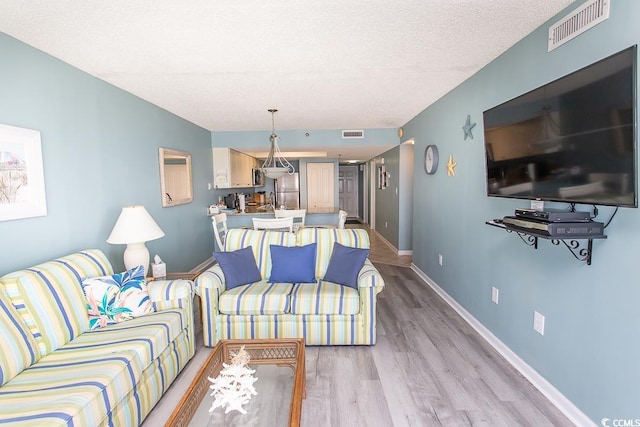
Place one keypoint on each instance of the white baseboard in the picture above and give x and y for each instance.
(558, 399)
(393, 248)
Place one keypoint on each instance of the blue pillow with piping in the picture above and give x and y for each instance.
(345, 264)
(239, 267)
(293, 264)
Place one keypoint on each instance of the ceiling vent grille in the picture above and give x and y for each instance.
(577, 22)
(350, 134)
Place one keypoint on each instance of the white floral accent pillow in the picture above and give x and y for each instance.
(116, 298)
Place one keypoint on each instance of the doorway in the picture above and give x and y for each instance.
(348, 190)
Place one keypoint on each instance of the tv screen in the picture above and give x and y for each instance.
(572, 140)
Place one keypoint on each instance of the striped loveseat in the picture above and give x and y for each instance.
(323, 313)
(54, 371)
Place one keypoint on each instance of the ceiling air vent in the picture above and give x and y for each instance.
(577, 22)
(346, 134)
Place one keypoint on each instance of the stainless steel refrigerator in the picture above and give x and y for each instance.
(288, 191)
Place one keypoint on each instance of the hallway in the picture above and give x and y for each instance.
(380, 252)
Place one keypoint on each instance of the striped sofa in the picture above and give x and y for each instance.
(323, 313)
(54, 371)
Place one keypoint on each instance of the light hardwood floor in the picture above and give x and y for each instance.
(428, 368)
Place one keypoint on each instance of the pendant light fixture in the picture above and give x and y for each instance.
(276, 164)
(550, 130)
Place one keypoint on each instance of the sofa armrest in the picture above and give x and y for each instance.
(213, 278)
(172, 294)
(370, 284)
(170, 291)
(370, 277)
(209, 285)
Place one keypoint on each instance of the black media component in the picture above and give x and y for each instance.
(553, 215)
(556, 230)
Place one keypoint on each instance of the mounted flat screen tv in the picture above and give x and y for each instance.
(572, 140)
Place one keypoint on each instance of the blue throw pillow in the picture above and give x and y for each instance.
(296, 264)
(239, 267)
(345, 264)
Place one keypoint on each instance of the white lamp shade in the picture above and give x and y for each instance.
(134, 225)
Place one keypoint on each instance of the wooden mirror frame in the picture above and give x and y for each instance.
(176, 186)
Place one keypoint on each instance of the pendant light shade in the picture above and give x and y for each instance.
(550, 130)
(276, 164)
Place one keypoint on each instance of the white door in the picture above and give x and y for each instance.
(348, 190)
(320, 186)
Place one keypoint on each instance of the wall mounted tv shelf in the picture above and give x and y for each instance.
(531, 236)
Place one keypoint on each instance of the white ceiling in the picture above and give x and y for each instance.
(332, 64)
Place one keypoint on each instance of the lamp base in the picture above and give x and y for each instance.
(136, 254)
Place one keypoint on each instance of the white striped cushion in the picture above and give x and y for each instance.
(49, 296)
(19, 348)
(83, 381)
(77, 391)
(256, 298)
(316, 329)
(324, 298)
(147, 335)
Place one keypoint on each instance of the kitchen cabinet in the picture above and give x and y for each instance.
(232, 169)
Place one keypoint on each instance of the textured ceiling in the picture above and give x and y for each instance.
(333, 64)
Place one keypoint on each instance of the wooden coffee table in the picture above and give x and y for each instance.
(280, 389)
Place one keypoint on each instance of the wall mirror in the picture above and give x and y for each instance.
(175, 177)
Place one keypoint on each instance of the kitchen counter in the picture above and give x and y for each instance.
(318, 216)
(251, 210)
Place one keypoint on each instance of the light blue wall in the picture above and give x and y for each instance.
(387, 202)
(404, 182)
(394, 204)
(592, 339)
(100, 152)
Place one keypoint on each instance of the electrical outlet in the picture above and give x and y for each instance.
(495, 294)
(538, 322)
(440, 259)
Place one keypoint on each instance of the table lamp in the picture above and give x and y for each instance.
(134, 227)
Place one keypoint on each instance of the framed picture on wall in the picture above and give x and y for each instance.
(22, 192)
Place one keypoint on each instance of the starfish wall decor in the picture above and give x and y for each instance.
(450, 166)
(468, 127)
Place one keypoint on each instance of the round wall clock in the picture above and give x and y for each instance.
(431, 159)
